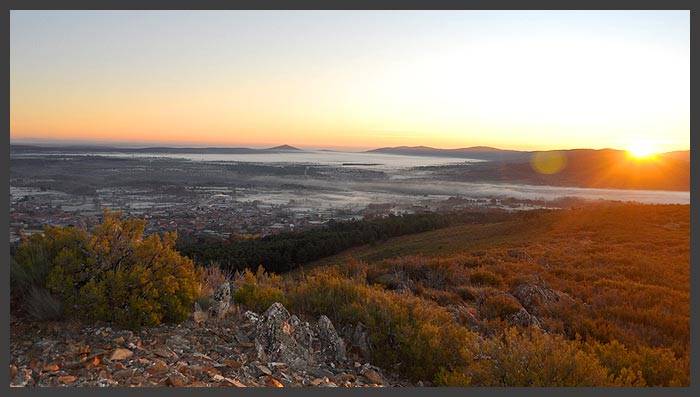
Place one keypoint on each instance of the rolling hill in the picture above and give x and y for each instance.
(188, 150)
(589, 168)
(474, 152)
(609, 282)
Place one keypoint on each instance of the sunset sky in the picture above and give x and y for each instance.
(353, 79)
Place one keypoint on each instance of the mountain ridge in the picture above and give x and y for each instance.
(155, 149)
(489, 152)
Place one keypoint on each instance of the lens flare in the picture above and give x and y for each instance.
(548, 162)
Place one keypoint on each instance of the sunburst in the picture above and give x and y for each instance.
(642, 150)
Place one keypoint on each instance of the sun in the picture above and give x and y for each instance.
(641, 150)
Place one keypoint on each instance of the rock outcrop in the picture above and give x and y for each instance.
(519, 254)
(524, 319)
(397, 281)
(282, 337)
(273, 349)
(332, 348)
(276, 338)
(358, 339)
(221, 301)
(536, 297)
(520, 316)
(465, 315)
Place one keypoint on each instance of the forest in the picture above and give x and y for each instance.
(285, 251)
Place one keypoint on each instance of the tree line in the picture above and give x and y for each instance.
(285, 251)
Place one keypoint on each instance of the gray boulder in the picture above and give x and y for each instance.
(332, 346)
(397, 281)
(524, 319)
(275, 341)
(221, 301)
(520, 317)
(537, 297)
(281, 337)
(519, 254)
(464, 315)
(357, 339)
(302, 332)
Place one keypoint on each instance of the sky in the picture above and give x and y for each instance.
(352, 79)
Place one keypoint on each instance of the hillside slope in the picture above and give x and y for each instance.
(612, 280)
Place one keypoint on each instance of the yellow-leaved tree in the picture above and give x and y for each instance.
(113, 273)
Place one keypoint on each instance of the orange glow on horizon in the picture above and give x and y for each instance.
(382, 79)
(642, 150)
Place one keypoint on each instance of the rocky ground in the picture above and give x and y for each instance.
(239, 349)
(222, 346)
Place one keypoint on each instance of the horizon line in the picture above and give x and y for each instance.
(145, 145)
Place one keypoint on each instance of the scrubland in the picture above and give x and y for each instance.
(591, 296)
(440, 305)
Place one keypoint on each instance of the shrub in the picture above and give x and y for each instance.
(204, 302)
(477, 260)
(44, 255)
(466, 293)
(430, 274)
(420, 339)
(660, 367)
(210, 278)
(42, 306)
(442, 298)
(258, 291)
(499, 306)
(484, 277)
(394, 280)
(416, 336)
(356, 269)
(655, 366)
(529, 358)
(112, 274)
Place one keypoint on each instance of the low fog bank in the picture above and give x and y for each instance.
(430, 187)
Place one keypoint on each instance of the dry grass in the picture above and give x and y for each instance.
(626, 269)
(211, 277)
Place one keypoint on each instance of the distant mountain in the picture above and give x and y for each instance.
(177, 150)
(474, 152)
(285, 148)
(678, 155)
(603, 168)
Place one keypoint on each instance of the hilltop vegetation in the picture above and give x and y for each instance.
(112, 273)
(286, 251)
(592, 296)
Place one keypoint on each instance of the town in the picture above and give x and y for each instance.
(207, 211)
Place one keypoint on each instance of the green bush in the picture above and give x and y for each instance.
(656, 366)
(420, 339)
(258, 291)
(416, 336)
(204, 302)
(43, 306)
(530, 358)
(112, 274)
